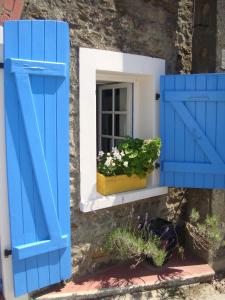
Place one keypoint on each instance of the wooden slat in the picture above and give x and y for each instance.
(13, 118)
(210, 124)
(195, 96)
(37, 84)
(51, 134)
(63, 147)
(24, 46)
(179, 133)
(200, 109)
(35, 67)
(36, 248)
(189, 179)
(169, 135)
(220, 125)
(202, 168)
(162, 127)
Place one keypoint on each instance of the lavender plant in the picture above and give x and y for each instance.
(134, 241)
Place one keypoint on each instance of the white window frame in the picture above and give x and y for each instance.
(128, 112)
(144, 73)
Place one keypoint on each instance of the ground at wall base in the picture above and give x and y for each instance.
(120, 280)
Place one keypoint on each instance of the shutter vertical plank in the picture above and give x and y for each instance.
(39, 100)
(162, 128)
(211, 84)
(169, 131)
(13, 117)
(179, 134)
(220, 125)
(63, 147)
(24, 45)
(51, 133)
(200, 117)
(189, 140)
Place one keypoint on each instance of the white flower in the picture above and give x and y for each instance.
(148, 141)
(114, 149)
(117, 156)
(100, 153)
(122, 153)
(125, 164)
(108, 153)
(109, 161)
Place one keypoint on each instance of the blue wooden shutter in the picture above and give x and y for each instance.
(36, 56)
(192, 126)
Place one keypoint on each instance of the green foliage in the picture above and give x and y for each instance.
(210, 229)
(126, 243)
(206, 234)
(132, 156)
(194, 216)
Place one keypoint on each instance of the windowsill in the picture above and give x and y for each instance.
(101, 201)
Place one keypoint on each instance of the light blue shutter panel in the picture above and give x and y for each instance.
(192, 122)
(36, 56)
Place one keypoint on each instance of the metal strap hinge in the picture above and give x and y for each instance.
(1, 65)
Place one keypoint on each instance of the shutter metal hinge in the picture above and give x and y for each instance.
(157, 96)
(1, 65)
(157, 165)
(7, 252)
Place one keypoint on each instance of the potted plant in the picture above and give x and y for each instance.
(127, 166)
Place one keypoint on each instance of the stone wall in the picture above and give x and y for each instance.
(204, 36)
(146, 27)
(184, 36)
(220, 42)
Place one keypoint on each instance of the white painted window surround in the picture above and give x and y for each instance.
(144, 72)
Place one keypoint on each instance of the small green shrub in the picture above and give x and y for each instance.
(205, 234)
(194, 216)
(125, 243)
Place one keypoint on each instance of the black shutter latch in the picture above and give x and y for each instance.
(7, 252)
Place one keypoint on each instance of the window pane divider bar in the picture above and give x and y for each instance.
(106, 136)
(113, 118)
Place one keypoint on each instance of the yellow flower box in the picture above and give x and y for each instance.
(107, 185)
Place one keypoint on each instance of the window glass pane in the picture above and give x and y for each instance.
(120, 125)
(117, 141)
(107, 124)
(107, 100)
(106, 144)
(121, 99)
